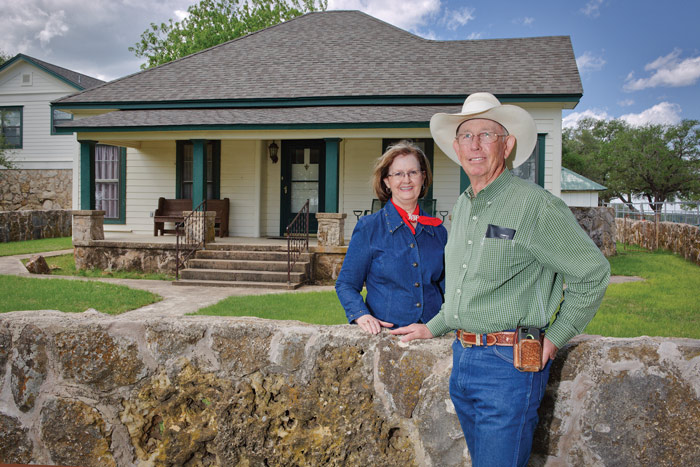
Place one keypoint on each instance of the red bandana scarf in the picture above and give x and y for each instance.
(415, 217)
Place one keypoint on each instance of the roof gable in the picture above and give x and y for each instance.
(348, 54)
(77, 80)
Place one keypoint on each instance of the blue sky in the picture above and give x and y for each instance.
(639, 59)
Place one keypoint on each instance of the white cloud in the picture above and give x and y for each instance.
(625, 103)
(405, 14)
(54, 26)
(457, 18)
(474, 36)
(592, 8)
(87, 36)
(665, 113)
(588, 62)
(573, 118)
(668, 71)
(526, 21)
(181, 14)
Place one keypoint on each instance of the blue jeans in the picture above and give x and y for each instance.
(495, 403)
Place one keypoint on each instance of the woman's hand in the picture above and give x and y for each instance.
(371, 324)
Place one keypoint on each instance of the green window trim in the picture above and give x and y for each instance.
(54, 131)
(20, 135)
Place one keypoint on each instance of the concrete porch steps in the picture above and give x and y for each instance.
(244, 265)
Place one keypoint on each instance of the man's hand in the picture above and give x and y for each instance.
(412, 331)
(549, 351)
(371, 324)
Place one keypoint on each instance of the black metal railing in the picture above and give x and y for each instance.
(194, 230)
(297, 239)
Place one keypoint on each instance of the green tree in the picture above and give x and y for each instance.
(212, 22)
(656, 162)
(4, 57)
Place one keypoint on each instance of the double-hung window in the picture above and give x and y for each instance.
(11, 126)
(110, 168)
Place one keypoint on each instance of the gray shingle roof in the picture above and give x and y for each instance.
(346, 54)
(571, 181)
(308, 115)
(79, 80)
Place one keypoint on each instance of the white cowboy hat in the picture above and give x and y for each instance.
(516, 120)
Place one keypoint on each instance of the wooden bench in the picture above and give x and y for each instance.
(170, 210)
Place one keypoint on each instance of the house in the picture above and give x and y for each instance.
(579, 191)
(44, 160)
(301, 110)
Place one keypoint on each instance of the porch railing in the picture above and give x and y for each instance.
(194, 229)
(297, 239)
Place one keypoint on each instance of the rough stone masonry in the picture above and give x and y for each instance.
(96, 390)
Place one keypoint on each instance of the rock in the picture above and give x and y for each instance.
(37, 265)
(29, 366)
(75, 434)
(15, 444)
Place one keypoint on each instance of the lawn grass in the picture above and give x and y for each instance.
(308, 307)
(35, 246)
(70, 296)
(64, 265)
(666, 303)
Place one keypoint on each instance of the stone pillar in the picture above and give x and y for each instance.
(330, 228)
(193, 226)
(88, 225)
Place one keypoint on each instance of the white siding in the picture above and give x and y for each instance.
(358, 160)
(239, 185)
(548, 121)
(584, 199)
(40, 149)
(446, 175)
(150, 174)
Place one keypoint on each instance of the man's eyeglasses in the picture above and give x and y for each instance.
(413, 174)
(483, 137)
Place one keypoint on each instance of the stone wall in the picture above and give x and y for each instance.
(23, 189)
(599, 224)
(682, 239)
(95, 390)
(125, 256)
(32, 225)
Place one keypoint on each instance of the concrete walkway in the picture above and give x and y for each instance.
(177, 300)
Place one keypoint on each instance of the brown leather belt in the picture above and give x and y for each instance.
(493, 338)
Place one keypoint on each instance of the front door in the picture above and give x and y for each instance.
(303, 168)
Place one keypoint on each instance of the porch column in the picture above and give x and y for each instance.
(199, 172)
(332, 175)
(87, 175)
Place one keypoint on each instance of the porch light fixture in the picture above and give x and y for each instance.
(273, 152)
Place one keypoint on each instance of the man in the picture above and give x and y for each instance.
(512, 246)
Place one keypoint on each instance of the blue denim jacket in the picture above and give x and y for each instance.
(404, 273)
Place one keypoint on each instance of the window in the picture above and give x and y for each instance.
(58, 116)
(110, 165)
(11, 126)
(185, 169)
(533, 168)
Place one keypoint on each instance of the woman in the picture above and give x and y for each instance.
(395, 252)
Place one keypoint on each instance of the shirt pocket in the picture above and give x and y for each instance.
(500, 260)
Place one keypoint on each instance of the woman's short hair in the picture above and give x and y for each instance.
(381, 168)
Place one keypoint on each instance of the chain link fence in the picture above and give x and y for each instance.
(686, 212)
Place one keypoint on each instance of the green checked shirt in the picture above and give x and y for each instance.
(510, 250)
